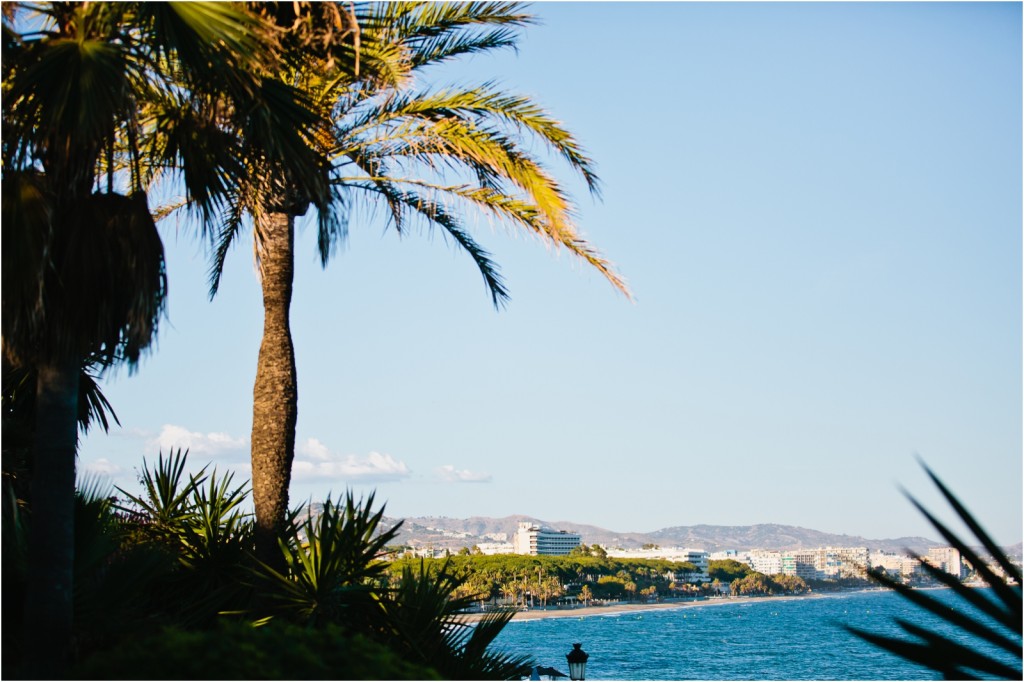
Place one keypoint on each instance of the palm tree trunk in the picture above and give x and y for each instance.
(49, 605)
(275, 395)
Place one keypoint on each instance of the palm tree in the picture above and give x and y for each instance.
(287, 170)
(86, 86)
(419, 152)
(586, 594)
(18, 401)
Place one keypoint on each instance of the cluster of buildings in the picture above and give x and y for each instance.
(833, 563)
(946, 559)
(822, 563)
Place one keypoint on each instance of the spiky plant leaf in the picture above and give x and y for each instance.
(423, 618)
(997, 622)
(332, 562)
(166, 502)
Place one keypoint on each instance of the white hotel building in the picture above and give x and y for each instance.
(697, 557)
(766, 561)
(534, 540)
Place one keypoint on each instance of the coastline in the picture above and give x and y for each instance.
(541, 613)
(636, 607)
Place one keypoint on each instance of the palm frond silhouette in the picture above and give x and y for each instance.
(996, 620)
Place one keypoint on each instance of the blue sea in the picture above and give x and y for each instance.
(763, 639)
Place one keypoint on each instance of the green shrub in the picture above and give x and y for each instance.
(239, 651)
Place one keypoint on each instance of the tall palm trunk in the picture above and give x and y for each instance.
(49, 607)
(275, 395)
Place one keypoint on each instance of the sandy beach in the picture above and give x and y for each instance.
(604, 610)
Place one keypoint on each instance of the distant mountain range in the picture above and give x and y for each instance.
(447, 533)
(442, 532)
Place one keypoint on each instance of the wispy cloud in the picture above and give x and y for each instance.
(172, 437)
(314, 460)
(452, 475)
(102, 466)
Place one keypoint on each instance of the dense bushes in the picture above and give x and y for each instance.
(166, 587)
(240, 651)
(759, 584)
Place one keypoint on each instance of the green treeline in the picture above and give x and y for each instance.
(521, 580)
(516, 579)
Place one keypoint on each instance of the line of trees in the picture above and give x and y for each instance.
(523, 580)
(583, 576)
(759, 584)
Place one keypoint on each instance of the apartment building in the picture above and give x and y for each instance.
(537, 540)
(890, 562)
(843, 562)
(825, 563)
(802, 563)
(766, 561)
(946, 559)
(697, 557)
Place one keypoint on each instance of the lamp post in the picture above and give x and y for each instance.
(577, 659)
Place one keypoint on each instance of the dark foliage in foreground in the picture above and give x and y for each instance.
(167, 587)
(996, 621)
(240, 651)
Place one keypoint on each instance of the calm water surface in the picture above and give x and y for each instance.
(767, 639)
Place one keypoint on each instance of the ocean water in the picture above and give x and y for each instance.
(765, 639)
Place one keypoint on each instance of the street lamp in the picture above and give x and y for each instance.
(577, 659)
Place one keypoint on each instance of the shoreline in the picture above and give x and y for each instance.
(541, 613)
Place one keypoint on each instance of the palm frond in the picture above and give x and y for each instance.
(213, 46)
(496, 160)
(957, 618)
(1008, 596)
(113, 281)
(27, 231)
(93, 404)
(436, 214)
(332, 224)
(230, 227)
(996, 552)
(183, 137)
(484, 102)
(438, 32)
(996, 622)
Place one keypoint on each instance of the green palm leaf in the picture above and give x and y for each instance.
(437, 32)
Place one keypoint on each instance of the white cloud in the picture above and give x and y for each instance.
(315, 461)
(452, 475)
(314, 449)
(173, 437)
(102, 466)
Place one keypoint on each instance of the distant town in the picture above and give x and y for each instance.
(821, 563)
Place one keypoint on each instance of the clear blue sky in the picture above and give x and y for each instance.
(818, 208)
